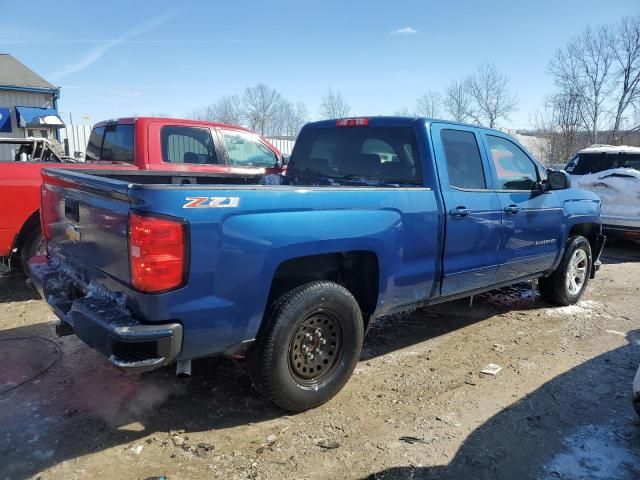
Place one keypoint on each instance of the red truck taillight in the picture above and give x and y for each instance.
(48, 211)
(157, 253)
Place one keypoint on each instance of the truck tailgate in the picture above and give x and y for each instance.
(85, 220)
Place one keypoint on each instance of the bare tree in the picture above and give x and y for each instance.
(290, 119)
(626, 54)
(457, 101)
(491, 99)
(559, 125)
(584, 67)
(429, 104)
(262, 105)
(300, 116)
(227, 109)
(333, 106)
(404, 112)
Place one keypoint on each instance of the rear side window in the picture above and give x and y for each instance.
(366, 156)
(515, 170)
(95, 144)
(193, 145)
(464, 163)
(246, 150)
(111, 143)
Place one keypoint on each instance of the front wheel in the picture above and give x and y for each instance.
(567, 283)
(308, 346)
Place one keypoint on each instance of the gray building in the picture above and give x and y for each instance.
(28, 103)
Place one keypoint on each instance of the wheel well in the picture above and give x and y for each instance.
(587, 230)
(30, 225)
(356, 271)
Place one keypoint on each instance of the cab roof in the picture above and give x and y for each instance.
(397, 121)
(172, 121)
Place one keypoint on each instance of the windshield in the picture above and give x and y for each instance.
(361, 156)
(585, 163)
(246, 150)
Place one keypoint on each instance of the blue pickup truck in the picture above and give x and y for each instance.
(373, 216)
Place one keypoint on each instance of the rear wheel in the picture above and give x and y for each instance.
(567, 283)
(308, 346)
(33, 245)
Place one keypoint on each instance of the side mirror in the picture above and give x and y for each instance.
(284, 160)
(558, 180)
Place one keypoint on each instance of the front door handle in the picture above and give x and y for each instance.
(460, 212)
(512, 209)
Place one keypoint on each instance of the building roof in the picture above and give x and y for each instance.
(15, 74)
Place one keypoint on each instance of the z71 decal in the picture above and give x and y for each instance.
(212, 202)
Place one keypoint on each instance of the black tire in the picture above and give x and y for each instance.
(31, 246)
(290, 333)
(555, 288)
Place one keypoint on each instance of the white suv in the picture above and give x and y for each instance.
(613, 173)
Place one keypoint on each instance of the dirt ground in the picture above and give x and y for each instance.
(416, 407)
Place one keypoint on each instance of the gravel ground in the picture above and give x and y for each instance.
(416, 407)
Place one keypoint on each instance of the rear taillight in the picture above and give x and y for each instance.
(157, 253)
(48, 211)
(352, 122)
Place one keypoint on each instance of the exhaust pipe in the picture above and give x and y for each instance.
(183, 369)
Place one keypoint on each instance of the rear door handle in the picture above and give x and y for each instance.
(460, 212)
(512, 209)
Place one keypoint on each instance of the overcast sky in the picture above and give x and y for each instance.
(122, 58)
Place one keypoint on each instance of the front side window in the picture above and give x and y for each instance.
(361, 156)
(193, 145)
(629, 160)
(246, 150)
(464, 162)
(514, 169)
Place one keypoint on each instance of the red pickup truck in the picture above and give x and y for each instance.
(165, 144)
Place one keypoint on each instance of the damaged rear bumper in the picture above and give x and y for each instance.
(103, 323)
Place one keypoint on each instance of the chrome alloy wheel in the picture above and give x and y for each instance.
(577, 272)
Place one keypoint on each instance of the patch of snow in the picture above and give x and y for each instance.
(593, 453)
(585, 308)
(618, 188)
(615, 332)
